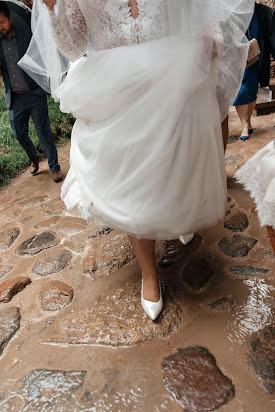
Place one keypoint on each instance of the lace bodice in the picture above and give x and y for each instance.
(109, 23)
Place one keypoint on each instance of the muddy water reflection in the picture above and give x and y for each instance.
(257, 312)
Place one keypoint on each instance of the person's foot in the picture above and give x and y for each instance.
(34, 167)
(57, 176)
(151, 290)
(245, 134)
(151, 308)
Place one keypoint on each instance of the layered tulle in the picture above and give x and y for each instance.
(147, 152)
(220, 24)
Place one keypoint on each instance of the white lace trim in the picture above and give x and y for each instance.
(70, 31)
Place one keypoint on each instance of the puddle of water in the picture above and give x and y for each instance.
(255, 313)
(130, 380)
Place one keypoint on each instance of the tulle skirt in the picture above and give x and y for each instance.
(146, 150)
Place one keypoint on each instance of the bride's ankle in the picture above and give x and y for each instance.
(151, 290)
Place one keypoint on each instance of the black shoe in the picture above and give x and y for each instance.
(57, 176)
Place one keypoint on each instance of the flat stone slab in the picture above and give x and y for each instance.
(237, 246)
(54, 207)
(192, 376)
(11, 287)
(233, 159)
(262, 357)
(107, 254)
(115, 320)
(100, 232)
(223, 303)
(237, 223)
(77, 242)
(43, 389)
(7, 237)
(197, 273)
(53, 263)
(232, 139)
(9, 324)
(26, 220)
(269, 253)
(47, 223)
(56, 295)
(37, 243)
(71, 224)
(4, 270)
(248, 270)
(34, 200)
(176, 252)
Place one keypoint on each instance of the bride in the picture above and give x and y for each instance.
(152, 82)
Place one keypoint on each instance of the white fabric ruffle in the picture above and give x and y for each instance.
(258, 177)
(146, 151)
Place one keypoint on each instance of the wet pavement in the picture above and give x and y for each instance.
(73, 336)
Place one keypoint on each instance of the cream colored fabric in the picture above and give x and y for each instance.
(258, 177)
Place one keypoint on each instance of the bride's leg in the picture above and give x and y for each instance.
(144, 251)
(225, 132)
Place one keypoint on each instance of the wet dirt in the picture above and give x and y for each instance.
(98, 352)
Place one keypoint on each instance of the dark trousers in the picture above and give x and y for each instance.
(22, 108)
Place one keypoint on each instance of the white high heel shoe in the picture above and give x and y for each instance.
(186, 238)
(152, 309)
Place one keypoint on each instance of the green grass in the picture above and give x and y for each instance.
(13, 158)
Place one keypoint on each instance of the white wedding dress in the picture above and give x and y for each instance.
(146, 150)
(258, 177)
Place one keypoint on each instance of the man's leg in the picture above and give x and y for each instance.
(40, 116)
(19, 120)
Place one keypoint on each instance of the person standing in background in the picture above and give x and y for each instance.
(24, 98)
(262, 28)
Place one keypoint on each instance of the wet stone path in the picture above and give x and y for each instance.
(73, 336)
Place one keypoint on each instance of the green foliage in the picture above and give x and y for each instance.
(13, 158)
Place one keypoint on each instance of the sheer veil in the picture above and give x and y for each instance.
(43, 61)
(220, 24)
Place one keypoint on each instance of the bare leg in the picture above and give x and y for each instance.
(134, 11)
(245, 112)
(225, 132)
(251, 108)
(144, 251)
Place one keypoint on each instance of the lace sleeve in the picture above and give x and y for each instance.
(70, 31)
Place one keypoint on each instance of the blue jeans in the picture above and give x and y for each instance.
(23, 106)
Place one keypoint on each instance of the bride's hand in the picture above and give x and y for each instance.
(50, 3)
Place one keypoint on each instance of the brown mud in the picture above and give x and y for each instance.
(76, 338)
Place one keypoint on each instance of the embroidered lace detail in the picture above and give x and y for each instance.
(110, 24)
(71, 32)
